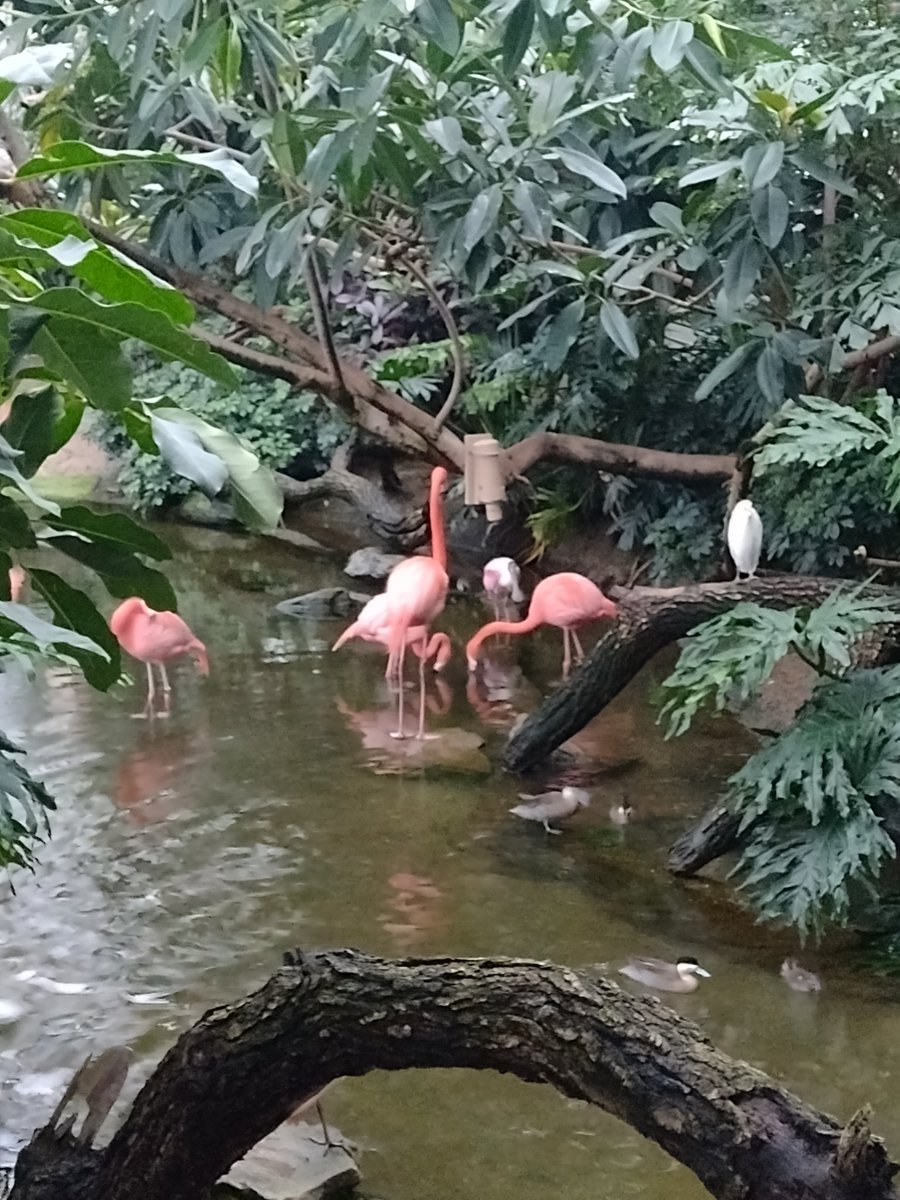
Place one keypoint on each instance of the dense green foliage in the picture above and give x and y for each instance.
(650, 219)
(812, 837)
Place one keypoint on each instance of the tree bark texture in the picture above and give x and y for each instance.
(649, 619)
(400, 527)
(245, 1067)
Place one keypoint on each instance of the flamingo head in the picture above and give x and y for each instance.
(444, 654)
(197, 651)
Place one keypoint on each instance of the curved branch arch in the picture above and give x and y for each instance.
(243, 1068)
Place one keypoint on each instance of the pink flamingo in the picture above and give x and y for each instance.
(372, 626)
(566, 600)
(416, 592)
(155, 637)
(16, 583)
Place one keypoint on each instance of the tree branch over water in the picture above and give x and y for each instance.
(245, 1067)
(649, 620)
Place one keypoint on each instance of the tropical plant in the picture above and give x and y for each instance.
(810, 800)
(594, 181)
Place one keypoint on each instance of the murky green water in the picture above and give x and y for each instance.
(188, 854)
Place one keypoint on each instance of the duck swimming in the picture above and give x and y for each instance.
(680, 976)
(799, 978)
(552, 806)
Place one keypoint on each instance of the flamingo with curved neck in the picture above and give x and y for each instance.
(566, 600)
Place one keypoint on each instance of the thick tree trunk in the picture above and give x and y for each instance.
(243, 1068)
(649, 619)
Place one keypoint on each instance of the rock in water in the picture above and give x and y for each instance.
(326, 602)
(371, 563)
(292, 1164)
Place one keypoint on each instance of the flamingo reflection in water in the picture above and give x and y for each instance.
(147, 780)
(498, 691)
(378, 725)
(415, 900)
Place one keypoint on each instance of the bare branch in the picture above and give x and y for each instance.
(456, 350)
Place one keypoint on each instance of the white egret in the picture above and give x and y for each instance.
(744, 537)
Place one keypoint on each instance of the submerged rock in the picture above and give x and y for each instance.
(371, 563)
(326, 602)
(293, 1163)
(458, 751)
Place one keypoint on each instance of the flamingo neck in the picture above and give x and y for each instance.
(532, 621)
(436, 517)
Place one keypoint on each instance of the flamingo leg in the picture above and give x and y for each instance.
(398, 732)
(421, 733)
(167, 687)
(567, 654)
(579, 649)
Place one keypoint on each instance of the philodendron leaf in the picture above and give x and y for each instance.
(74, 610)
(257, 498)
(79, 156)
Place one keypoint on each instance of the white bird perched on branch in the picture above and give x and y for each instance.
(744, 537)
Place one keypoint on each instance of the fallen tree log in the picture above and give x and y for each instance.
(245, 1067)
(649, 620)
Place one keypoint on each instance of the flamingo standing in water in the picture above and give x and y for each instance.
(416, 592)
(566, 600)
(372, 626)
(155, 637)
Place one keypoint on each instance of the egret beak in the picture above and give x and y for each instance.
(704, 974)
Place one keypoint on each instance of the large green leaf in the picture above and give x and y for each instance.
(102, 268)
(112, 529)
(258, 501)
(482, 216)
(24, 804)
(669, 44)
(88, 358)
(770, 211)
(9, 469)
(440, 24)
(562, 333)
(186, 455)
(761, 163)
(74, 610)
(723, 370)
(551, 93)
(122, 572)
(517, 34)
(154, 329)
(79, 156)
(44, 633)
(29, 427)
(592, 168)
(618, 329)
(15, 528)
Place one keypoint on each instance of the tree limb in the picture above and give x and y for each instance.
(456, 350)
(649, 619)
(244, 1068)
(633, 461)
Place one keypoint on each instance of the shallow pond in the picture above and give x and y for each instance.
(268, 812)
